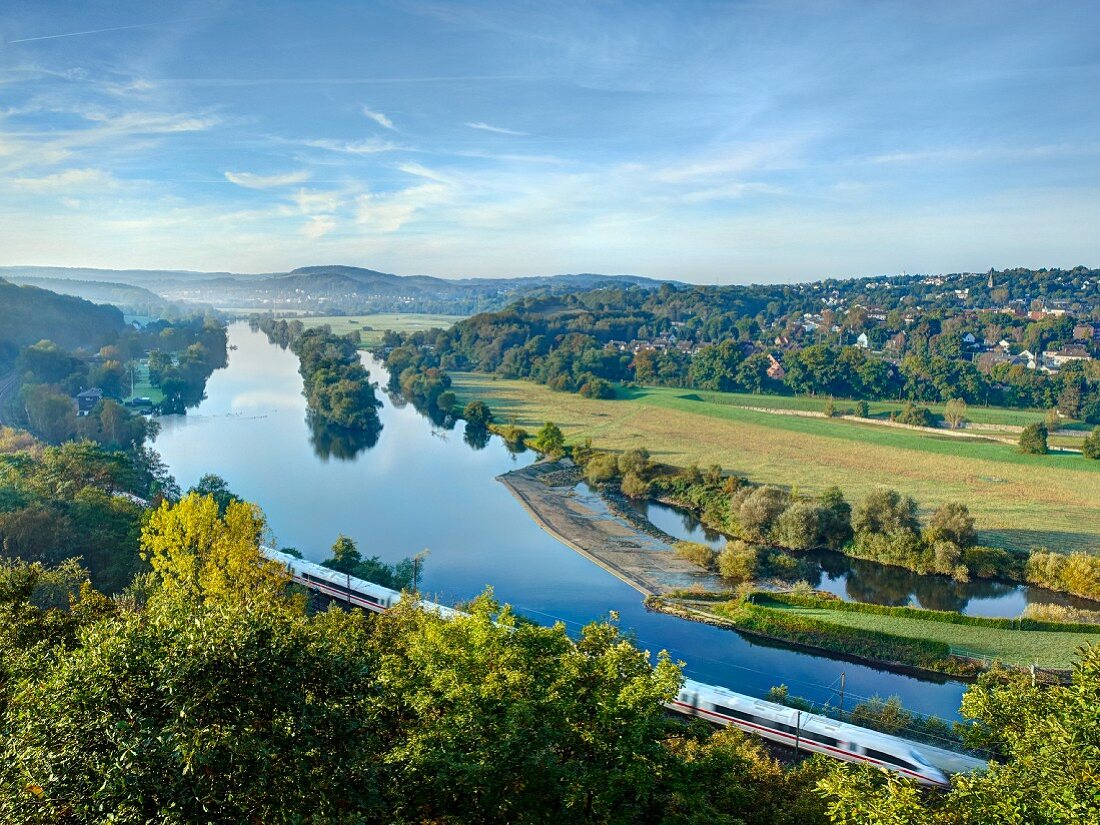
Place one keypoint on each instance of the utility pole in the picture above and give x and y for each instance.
(797, 728)
(842, 696)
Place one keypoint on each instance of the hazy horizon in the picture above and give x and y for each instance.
(737, 142)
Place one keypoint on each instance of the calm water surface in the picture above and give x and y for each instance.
(865, 581)
(421, 486)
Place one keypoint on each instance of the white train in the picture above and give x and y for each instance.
(806, 731)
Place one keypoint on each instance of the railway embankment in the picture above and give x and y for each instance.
(552, 494)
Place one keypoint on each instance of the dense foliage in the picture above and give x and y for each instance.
(78, 501)
(215, 697)
(338, 390)
(790, 338)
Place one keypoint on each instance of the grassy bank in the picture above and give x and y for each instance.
(1050, 648)
(1019, 501)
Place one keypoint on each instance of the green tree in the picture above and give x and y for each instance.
(217, 487)
(345, 555)
(1091, 447)
(955, 413)
(1033, 440)
(1049, 735)
(478, 414)
(952, 522)
(549, 440)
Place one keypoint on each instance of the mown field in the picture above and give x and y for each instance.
(371, 327)
(1019, 501)
(975, 415)
(1052, 649)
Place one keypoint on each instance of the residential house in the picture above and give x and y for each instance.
(775, 369)
(85, 401)
(863, 342)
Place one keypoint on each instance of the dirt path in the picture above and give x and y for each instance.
(583, 522)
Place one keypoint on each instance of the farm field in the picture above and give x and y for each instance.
(1019, 501)
(1053, 649)
(380, 322)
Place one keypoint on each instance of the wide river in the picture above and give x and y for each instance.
(423, 487)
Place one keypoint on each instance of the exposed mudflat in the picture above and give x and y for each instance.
(582, 520)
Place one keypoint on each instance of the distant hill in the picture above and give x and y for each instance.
(98, 292)
(29, 314)
(331, 288)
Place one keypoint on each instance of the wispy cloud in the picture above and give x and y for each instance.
(318, 226)
(378, 118)
(251, 181)
(500, 130)
(67, 181)
(371, 146)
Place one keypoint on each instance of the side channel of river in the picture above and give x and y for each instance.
(422, 487)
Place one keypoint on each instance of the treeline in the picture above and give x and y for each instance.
(209, 693)
(338, 390)
(707, 339)
(80, 501)
(883, 527)
(182, 356)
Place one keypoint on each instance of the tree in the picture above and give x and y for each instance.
(955, 413)
(952, 522)
(1091, 447)
(218, 488)
(477, 414)
(835, 516)
(1033, 440)
(758, 508)
(863, 409)
(345, 555)
(885, 511)
(738, 561)
(196, 553)
(799, 526)
(1049, 736)
(549, 440)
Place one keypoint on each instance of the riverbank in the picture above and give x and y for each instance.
(583, 522)
(899, 637)
(1004, 489)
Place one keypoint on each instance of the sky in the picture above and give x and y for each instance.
(710, 142)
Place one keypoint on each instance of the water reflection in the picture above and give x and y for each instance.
(867, 581)
(339, 442)
(423, 486)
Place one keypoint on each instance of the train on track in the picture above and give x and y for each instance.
(795, 728)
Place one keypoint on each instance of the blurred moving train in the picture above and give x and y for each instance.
(801, 730)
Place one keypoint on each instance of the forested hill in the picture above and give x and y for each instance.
(31, 314)
(98, 292)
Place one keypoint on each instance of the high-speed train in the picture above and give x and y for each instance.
(779, 723)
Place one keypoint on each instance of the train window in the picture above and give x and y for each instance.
(819, 737)
(888, 758)
(736, 714)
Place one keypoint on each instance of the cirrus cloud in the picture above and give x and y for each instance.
(252, 181)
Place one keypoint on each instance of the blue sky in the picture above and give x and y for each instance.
(709, 142)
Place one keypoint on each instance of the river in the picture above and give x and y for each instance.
(422, 487)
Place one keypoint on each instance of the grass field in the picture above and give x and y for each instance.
(380, 322)
(141, 385)
(1051, 649)
(1019, 501)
